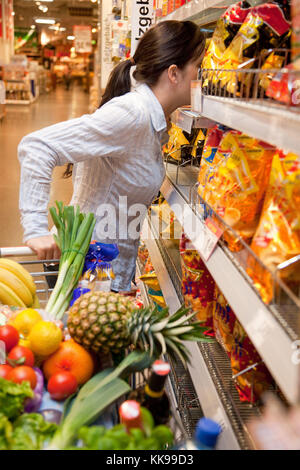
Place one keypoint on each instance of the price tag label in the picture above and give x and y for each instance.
(211, 237)
(196, 96)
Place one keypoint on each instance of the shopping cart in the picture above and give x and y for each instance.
(42, 273)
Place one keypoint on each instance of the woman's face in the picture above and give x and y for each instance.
(189, 73)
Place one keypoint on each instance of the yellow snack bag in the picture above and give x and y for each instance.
(227, 27)
(277, 238)
(176, 140)
(150, 279)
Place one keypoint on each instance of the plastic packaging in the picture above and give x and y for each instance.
(277, 238)
(197, 283)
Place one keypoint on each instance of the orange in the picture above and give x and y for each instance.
(70, 357)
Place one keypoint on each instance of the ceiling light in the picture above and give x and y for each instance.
(43, 8)
(13, 13)
(33, 26)
(45, 21)
(94, 30)
(71, 38)
(94, 1)
(62, 29)
(46, 0)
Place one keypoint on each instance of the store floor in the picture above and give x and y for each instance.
(59, 105)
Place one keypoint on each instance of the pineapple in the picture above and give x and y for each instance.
(108, 322)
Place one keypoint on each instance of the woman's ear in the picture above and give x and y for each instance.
(173, 74)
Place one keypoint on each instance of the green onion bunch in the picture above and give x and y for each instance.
(74, 234)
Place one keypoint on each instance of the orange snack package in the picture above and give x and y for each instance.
(252, 384)
(237, 184)
(223, 321)
(277, 238)
(197, 283)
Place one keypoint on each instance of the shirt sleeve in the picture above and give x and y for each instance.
(104, 133)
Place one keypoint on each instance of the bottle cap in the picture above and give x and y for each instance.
(130, 414)
(207, 432)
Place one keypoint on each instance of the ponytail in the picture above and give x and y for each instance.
(119, 81)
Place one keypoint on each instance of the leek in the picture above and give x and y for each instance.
(95, 396)
(74, 234)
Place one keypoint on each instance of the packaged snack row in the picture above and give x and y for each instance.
(254, 188)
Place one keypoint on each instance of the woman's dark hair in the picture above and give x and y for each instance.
(165, 44)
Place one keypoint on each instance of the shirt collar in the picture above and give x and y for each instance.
(155, 109)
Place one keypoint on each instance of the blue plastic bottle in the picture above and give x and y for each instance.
(205, 437)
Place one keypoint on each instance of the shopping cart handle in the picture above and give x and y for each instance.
(16, 251)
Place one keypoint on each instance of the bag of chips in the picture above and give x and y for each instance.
(176, 140)
(197, 283)
(237, 184)
(285, 87)
(223, 321)
(265, 27)
(211, 145)
(252, 384)
(226, 29)
(277, 238)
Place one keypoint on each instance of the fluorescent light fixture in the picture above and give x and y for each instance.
(43, 8)
(71, 38)
(62, 29)
(46, 0)
(45, 21)
(94, 1)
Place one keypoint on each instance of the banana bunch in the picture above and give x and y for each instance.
(17, 288)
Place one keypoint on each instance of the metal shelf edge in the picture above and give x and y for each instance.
(256, 120)
(203, 384)
(273, 344)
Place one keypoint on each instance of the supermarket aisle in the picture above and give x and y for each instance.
(21, 120)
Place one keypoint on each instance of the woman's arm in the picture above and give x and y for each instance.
(104, 133)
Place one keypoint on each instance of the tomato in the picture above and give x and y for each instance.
(61, 385)
(5, 370)
(20, 352)
(10, 336)
(23, 374)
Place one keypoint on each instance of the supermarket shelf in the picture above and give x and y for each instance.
(187, 120)
(201, 11)
(275, 344)
(204, 386)
(270, 123)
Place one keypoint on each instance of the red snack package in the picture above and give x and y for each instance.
(197, 283)
(223, 321)
(252, 384)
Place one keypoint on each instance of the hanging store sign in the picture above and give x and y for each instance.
(141, 20)
(83, 39)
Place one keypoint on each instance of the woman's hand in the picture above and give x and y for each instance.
(45, 247)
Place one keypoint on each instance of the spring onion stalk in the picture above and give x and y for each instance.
(95, 396)
(74, 233)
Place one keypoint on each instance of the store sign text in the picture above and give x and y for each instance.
(142, 18)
